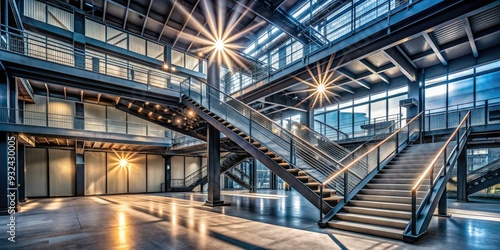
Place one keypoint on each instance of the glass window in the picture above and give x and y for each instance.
(137, 45)
(192, 63)
(361, 100)
(435, 97)
(346, 121)
(116, 37)
(155, 50)
(378, 111)
(461, 92)
(331, 118)
(360, 117)
(398, 91)
(488, 66)
(435, 80)
(378, 95)
(487, 86)
(460, 74)
(393, 107)
(177, 58)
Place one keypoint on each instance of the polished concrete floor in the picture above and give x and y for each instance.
(268, 220)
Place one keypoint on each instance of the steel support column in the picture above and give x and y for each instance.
(80, 174)
(213, 144)
(253, 175)
(443, 205)
(168, 174)
(462, 176)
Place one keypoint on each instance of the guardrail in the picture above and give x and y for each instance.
(449, 153)
(369, 163)
(44, 119)
(47, 49)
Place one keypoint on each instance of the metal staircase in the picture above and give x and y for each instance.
(397, 200)
(199, 177)
(303, 159)
(481, 178)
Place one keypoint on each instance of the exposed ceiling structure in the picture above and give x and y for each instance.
(466, 36)
(173, 22)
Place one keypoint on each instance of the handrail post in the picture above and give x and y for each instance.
(250, 127)
(445, 158)
(378, 158)
(431, 175)
(346, 185)
(414, 212)
(321, 202)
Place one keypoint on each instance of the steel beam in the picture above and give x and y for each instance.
(374, 71)
(403, 64)
(287, 102)
(470, 36)
(279, 19)
(126, 15)
(146, 17)
(406, 24)
(434, 46)
(166, 20)
(353, 78)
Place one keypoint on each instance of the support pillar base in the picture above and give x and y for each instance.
(216, 204)
(443, 215)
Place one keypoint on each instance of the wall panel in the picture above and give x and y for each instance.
(156, 172)
(95, 117)
(177, 167)
(117, 121)
(95, 173)
(61, 113)
(117, 175)
(36, 172)
(192, 164)
(35, 114)
(137, 168)
(62, 172)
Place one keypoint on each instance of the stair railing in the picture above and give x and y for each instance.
(449, 153)
(369, 163)
(329, 131)
(304, 150)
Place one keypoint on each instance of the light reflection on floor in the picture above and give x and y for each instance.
(178, 220)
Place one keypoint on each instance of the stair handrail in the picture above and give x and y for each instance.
(382, 157)
(257, 115)
(332, 128)
(376, 147)
(429, 171)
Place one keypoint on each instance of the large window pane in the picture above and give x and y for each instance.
(378, 111)
(346, 121)
(487, 86)
(435, 97)
(360, 118)
(461, 92)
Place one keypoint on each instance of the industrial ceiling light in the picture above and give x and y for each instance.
(321, 86)
(219, 35)
(165, 66)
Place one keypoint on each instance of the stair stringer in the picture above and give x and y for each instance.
(298, 185)
(429, 203)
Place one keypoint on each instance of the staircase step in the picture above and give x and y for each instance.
(401, 170)
(333, 200)
(384, 198)
(403, 193)
(313, 185)
(235, 129)
(277, 159)
(383, 205)
(370, 219)
(267, 153)
(293, 171)
(396, 181)
(387, 232)
(390, 186)
(382, 175)
(378, 212)
(326, 192)
(284, 164)
(304, 179)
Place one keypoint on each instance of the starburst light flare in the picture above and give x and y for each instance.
(219, 36)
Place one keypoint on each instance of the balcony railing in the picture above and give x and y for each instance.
(44, 119)
(41, 47)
